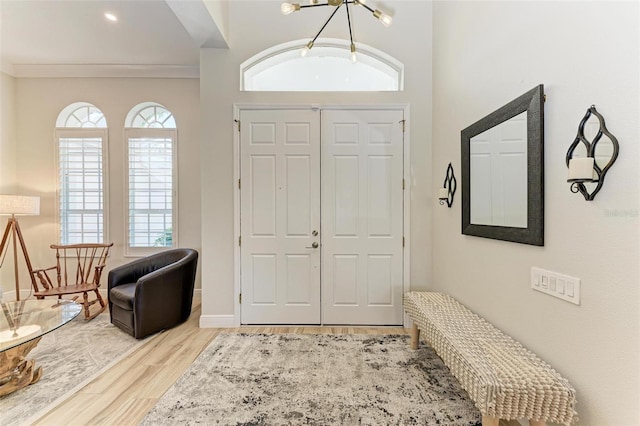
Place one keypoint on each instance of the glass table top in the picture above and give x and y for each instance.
(26, 320)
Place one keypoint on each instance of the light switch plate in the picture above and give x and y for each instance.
(555, 284)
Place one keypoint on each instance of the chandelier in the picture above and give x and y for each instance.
(288, 8)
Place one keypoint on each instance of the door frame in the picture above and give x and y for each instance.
(406, 194)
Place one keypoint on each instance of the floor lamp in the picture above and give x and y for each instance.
(17, 205)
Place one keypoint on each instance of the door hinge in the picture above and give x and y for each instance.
(240, 298)
(240, 240)
(402, 241)
(238, 122)
(239, 184)
(403, 121)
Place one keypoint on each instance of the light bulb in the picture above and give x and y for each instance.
(287, 8)
(354, 59)
(313, 1)
(383, 17)
(306, 49)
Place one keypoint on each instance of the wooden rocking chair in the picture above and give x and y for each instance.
(78, 269)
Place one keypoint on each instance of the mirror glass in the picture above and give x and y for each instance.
(503, 172)
(498, 171)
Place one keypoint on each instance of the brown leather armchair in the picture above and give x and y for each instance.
(153, 293)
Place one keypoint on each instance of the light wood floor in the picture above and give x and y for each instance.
(125, 393)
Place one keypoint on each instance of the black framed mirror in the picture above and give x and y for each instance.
(503, 172)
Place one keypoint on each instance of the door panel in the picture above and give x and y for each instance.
(298, 194)
(344, 191)
(263, 195)
(362, 217)
(380, 280)
(264, 287)
(344, 280)
(379, 187)
(280, 209)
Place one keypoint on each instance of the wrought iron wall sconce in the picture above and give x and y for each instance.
(586, 170)
(446, 193)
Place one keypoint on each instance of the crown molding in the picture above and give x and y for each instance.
(101, 71)
(7, 68)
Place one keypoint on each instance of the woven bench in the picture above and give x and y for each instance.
(503, 378)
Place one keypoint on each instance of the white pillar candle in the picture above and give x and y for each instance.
(443, 193)
(581, 168)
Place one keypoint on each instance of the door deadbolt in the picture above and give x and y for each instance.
(314, 233)
(314, 245)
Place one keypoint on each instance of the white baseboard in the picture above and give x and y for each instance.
(217, 321)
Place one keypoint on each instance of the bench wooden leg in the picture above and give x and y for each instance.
(415, 336)
(537, 423)
(490, 421)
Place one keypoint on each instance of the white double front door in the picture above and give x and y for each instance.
(321, 216)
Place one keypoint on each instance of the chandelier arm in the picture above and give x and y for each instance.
(302, 6)
(365, 6)
(325, 24)
(349, 21)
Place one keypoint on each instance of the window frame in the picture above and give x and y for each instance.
(166, 133)
(78, 133)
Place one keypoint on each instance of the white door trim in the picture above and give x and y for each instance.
(236, 192)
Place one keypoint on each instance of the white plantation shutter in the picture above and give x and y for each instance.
(81, 194)
(150, 191)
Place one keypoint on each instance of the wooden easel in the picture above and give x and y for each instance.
(14, 227)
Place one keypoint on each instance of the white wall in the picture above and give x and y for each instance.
(39, 101)
(486, 54)
(8, 161)
(258, 25)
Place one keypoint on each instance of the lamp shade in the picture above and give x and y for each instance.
(19, 205)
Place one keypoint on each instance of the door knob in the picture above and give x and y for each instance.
(314, 245)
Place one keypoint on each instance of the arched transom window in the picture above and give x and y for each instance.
(150, 115)
(81, 114)
(327, 67)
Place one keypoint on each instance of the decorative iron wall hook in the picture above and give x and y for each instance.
(583, 170)
(448, 189)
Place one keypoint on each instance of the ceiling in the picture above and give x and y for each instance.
(73, 37)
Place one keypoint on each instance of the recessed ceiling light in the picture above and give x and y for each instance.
(111, 17)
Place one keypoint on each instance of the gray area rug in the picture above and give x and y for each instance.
(287, 379)
(70, 357)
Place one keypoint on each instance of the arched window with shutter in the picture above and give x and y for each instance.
(150, 137)
(81, 138)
